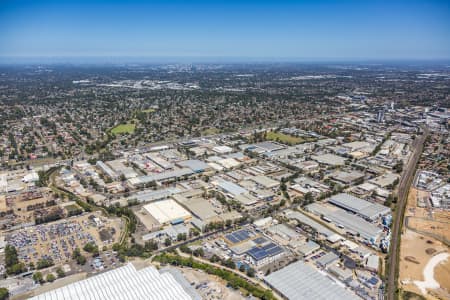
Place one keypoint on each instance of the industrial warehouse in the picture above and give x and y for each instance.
(299, 281)
(122, 283)
(167, 211)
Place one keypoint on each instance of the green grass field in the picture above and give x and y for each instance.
(211, 131)
(284, 138)
(123, 128)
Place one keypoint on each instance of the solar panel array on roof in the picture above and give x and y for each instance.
(270, 249)
(260, 240)
(373, 281)
(238, 236)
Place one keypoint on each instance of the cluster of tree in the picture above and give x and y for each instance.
(126, 212)
(181, 237)
(135, 250)
(12, 264)
(60, 272)
(232, 279)
(249, 271)
(44, 263)
(44, 216)
(73, 211)
(91, 248)
(390, 199)
(398, 166)
(44, 176)
(4, 293)
(80, 259)
(39, 278)
(198, 252)
(41, 205)
(378, 147)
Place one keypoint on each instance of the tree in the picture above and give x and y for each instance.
(229, 263)
(13, 266)
(151, 245)
(38, 278)
(168, 242)
(44, 263)
(60, 272)
(16, 269)
(181, 237)
(309, 197)
(4, 293)
(251, 272)
(199, 252)
(10, 256)
(91, 248)
(399, 166)
(50, 277)
(283, 186)
(81, 260)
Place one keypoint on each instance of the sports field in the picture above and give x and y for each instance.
(123, 128)
(283, 138)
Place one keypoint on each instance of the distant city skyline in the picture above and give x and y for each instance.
(223, 30)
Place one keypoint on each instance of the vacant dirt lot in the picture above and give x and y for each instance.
(417, 249)
(442, 275)
(415, 252)
(210, 287)
(437, 228)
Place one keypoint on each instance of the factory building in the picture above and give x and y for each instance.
(299, 281)
(365, 209)
(167, 211)
(122, 283)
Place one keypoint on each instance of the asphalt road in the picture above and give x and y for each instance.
(403, 189)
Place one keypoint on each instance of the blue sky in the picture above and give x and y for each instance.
(391, 29)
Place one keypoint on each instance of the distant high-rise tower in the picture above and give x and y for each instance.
(392, 105)
(380, 116)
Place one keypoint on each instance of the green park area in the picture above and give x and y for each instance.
(283, 138)
(211, 131)
(123, 128)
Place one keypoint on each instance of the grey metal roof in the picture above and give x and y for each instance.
(356, 224)
(362, 207)
(194, 164)
(231, 187)
(269, 146)
(308, 221)
(327, 259)
(151, 195)
(299, 281)
(351, 222)
(166, 175)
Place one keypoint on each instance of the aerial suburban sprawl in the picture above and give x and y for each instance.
(225, 181)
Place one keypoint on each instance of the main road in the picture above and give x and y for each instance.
(403, 189)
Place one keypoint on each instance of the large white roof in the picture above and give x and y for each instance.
(121, 283)
(166, 210)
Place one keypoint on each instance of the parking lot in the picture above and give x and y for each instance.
(58, 240)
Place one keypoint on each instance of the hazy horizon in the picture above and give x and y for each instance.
(117, 60)
(257, 30)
